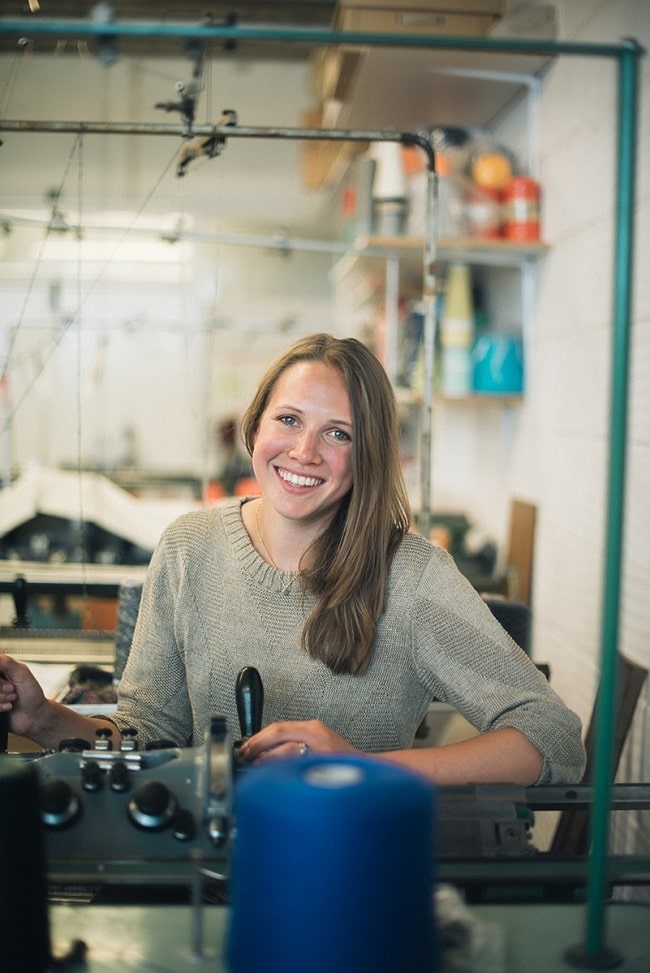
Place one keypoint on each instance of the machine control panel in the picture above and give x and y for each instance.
(166, 804)
(109, 812)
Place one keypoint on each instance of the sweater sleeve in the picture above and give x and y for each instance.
(467, 659)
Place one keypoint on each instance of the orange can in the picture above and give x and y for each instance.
(521, 210)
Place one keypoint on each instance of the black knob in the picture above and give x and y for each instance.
(104, 738)
(74, 745)
(118, 777)
(129, 738)
(92, 776)
(218, 729)
(183, 825)
(60, 806)
(249, 694)
(152, 807)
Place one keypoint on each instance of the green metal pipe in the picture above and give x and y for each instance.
(33, 27)
(623, 263)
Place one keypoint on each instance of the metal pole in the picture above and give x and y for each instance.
(429, 300)
(207, 33)
(391, 311)
(627, 116)
(220, 131)
(595, 953)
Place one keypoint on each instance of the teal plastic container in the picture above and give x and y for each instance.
(498, 364)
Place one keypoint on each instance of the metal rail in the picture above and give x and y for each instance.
(222, 132)
(224, 33)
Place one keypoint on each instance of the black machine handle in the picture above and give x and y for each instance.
(249, 694)
(4, 728)
(20, 595)
(4, 731)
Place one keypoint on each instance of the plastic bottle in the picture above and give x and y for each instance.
(457, 333)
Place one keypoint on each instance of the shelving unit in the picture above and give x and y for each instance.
(493, 253)
(369, 256)
(374, 279)
(382, 271)
(430, 88)
(439, 88)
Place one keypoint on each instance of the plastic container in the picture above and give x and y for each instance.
(521, 210)
(484, 213)
(498, 365)
(455, 371)
(390, 217)
(457, 325)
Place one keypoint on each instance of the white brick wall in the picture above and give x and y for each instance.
(560, 455)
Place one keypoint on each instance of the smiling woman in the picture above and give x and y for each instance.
(325, 397)
(354, 622)
(302, 456)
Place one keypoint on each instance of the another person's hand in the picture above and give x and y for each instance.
(293, 738)
(42, 720)
(21, 696)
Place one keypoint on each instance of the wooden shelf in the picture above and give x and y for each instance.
(410, 253)
(407, 396)
(472, 398)
(432, 88)
(481, 249)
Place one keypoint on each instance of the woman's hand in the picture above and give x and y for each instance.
(293, 738)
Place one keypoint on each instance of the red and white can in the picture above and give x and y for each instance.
(521, 210)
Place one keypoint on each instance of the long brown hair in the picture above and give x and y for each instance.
(351, 558)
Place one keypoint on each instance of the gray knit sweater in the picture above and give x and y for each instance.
(211, 605)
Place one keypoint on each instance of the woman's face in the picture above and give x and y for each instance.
(302, 457)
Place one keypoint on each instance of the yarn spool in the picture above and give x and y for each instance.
(24, 926)
(332, 869)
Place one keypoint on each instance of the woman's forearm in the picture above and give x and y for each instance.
(504, 756)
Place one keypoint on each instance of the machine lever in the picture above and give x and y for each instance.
(4, 728)
(249, 694)
(19, 591)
